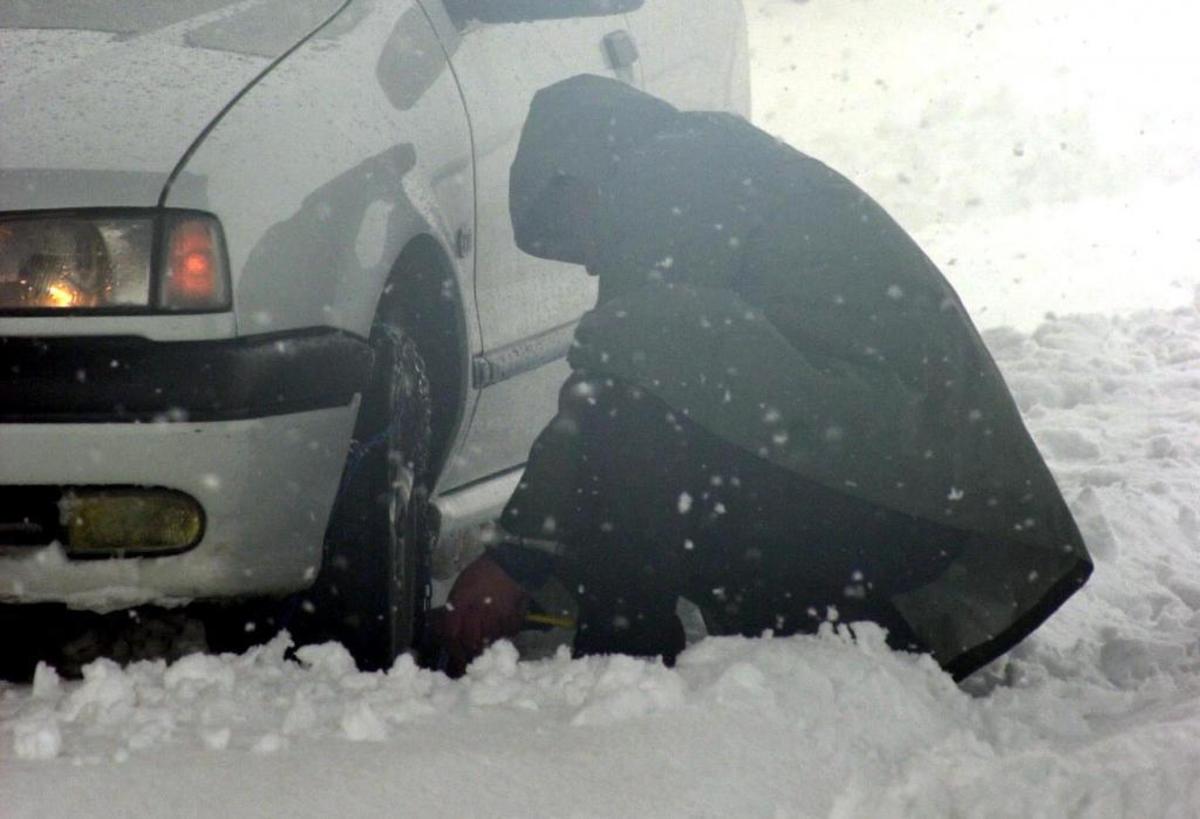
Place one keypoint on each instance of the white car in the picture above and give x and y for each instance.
(248, 249)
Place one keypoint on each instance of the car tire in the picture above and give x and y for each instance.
(373, 586)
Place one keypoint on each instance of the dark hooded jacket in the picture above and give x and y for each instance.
(776, 305)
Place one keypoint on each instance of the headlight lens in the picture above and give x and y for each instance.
(166, 260)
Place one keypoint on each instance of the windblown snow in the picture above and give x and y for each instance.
(932, 106)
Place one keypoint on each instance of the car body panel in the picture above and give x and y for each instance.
(100, 117)
(156, 328)
(380, 153)
(518, 296)
(705, 70)
(266, 484)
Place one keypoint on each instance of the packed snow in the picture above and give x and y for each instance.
(952, 114)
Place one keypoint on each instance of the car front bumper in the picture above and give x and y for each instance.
(256, 430)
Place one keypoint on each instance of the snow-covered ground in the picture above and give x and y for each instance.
(955, 114)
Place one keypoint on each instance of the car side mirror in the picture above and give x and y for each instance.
(522, 11)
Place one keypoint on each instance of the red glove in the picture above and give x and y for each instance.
(485, 605)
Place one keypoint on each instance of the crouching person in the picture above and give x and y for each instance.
(779, 409)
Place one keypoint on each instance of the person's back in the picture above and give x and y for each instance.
(713, 201)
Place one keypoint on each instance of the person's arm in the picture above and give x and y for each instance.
(530, 564)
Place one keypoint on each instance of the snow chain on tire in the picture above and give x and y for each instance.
(373, 587)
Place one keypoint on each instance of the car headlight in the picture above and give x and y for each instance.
(171, 261)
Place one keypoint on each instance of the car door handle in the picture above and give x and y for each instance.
(622, 51)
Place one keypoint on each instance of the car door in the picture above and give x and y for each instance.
(694, 54)
(526, 306)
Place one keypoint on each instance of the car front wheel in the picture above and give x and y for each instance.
(372, 588)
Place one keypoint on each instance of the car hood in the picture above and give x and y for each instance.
(101, 100)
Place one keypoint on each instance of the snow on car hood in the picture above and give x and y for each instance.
(101, 101)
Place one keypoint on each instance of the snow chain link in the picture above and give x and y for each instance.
(408, 365)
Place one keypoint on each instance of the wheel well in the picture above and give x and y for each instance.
(422, 296)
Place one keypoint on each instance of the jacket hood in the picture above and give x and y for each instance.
(101, 100)
(576, 133)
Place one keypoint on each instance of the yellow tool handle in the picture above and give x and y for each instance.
(555, 620)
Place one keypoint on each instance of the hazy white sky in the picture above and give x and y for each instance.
(1008, 136)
